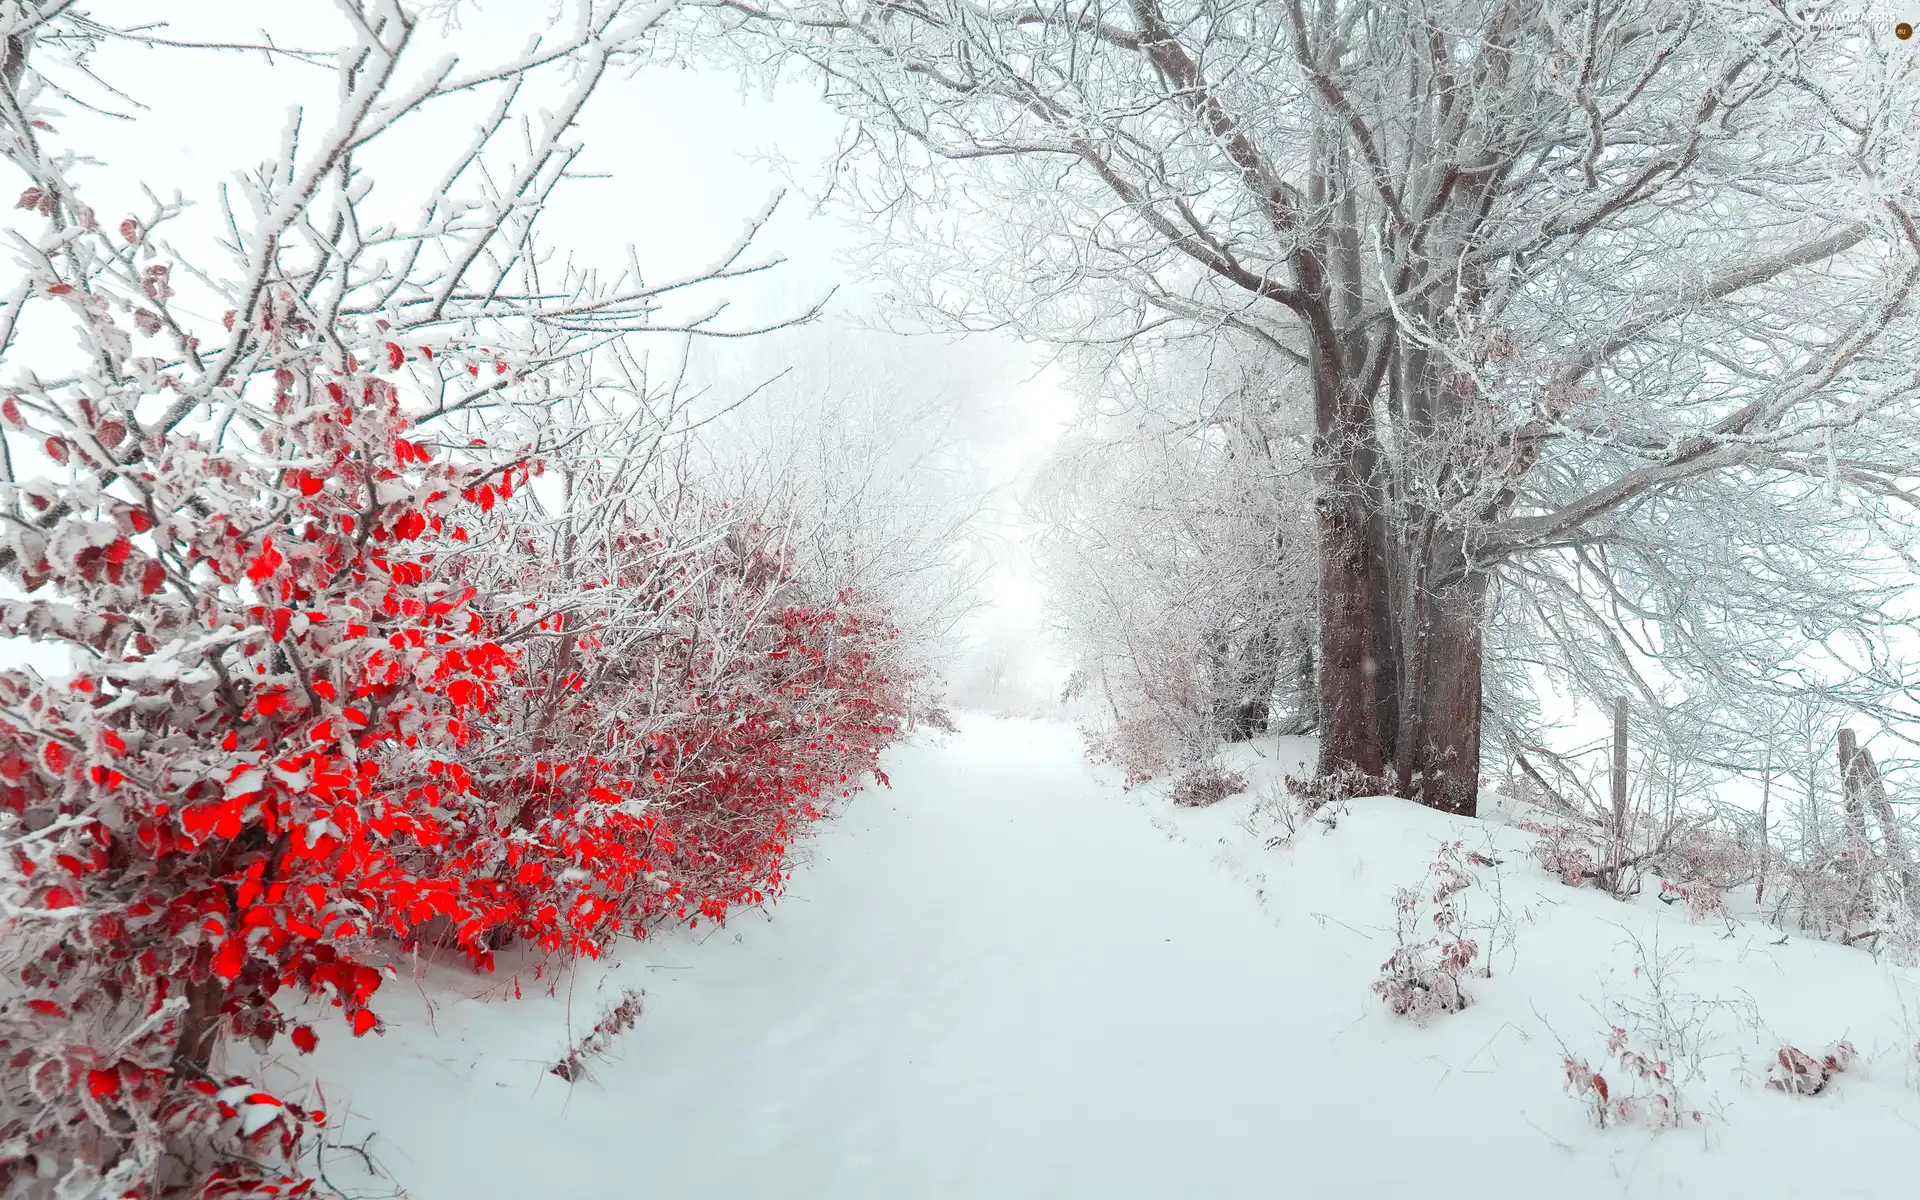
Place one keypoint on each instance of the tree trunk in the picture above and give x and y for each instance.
(199, 1029)
(1347, 684)
(1438, 755)
(1353, 576)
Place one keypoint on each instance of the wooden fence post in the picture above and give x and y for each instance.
(1850, 802)
(1867, 790)
(1620, 773)
(1766, 794)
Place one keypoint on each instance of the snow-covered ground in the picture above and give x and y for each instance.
(1006, 978)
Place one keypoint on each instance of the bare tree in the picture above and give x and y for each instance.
(1540, 266)
(1177, 549)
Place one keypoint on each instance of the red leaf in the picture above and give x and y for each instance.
(103, 1084)
(153, 577)
(265, 563)
(304, 1040)
(363, 1020)
(228, 960)
(55, 756)
(10, 409)
(395, 356)
(57, 449)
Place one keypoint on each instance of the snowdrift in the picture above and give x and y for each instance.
(1008, 978)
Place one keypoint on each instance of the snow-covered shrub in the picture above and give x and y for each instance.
(1657, 1040)
(1692, 860)
(1645, 1089)
(687, 810)
(1798, 1073)
(301, 722)
(1424, 974)
(1141, 747)
(1702, 899)
(1338, 788)
(935, 717)
(236, 786)
(1176, 542)
(1279, 811)
(1851, 893)
(1563, 850)
(619, 1017)
(327, 679)
(1202, 786)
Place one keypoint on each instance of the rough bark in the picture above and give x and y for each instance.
(1438, 755)
(199, 1028)
(1866, 789)
(1349, 670)
(1850, 801)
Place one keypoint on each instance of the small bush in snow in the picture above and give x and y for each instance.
(618, 1018)
(1801, 1074)
(1207, 785)
(1341, 786)
(1423, 975)
(1657, 1043)
(1646, 1088)
(1702, 899)
(1140, 748)
(936, 717)
(1562, 850)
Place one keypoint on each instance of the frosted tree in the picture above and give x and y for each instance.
(1539, 266)
(1177, 550)
(870, 447)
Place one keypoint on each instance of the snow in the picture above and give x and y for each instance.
(1007, 978)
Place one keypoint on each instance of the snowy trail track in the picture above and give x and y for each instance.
(1002, 979)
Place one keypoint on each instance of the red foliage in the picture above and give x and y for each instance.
(293, 731)
(717, 751)
(1801, 1074)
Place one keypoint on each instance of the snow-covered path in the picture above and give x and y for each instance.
(995, 981)
(1004, 979)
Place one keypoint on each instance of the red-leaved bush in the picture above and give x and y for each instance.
(1423, 974)
(323, 672)
(238, 784)
(298, 723)
(669, 780)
